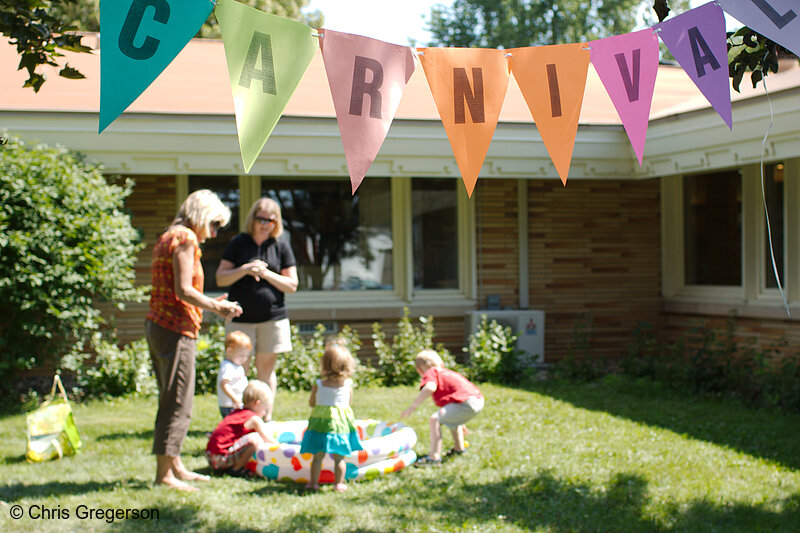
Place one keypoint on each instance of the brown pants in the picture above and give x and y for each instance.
(172, 355)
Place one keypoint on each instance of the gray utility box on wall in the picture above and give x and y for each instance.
(528, 324)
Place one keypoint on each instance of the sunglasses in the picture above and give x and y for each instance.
(265, 221)
(215, 226)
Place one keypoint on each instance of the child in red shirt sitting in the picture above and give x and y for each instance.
(234, 441)
(459, 400)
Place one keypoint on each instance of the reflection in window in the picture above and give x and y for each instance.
(434, 207)
(773, 193)
(712, 227)
(341, 241)
(227, 188)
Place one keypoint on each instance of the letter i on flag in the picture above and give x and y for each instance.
(367, 78)
(697, 40)
(138, 39)
(627, 65)
(267, 55)
(552, 80)
(775, 19)
(468, 86)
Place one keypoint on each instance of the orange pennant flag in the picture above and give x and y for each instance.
(552, 80)
(468, 86)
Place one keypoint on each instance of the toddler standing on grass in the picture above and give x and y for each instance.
(232, 444)
(458, 398)
(331, 426)
(231, 378)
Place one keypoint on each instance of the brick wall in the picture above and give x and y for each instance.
(594, 252)
(497, 253)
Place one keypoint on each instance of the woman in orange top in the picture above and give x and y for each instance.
(176, 311)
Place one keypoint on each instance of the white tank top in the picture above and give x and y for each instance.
(334, 396)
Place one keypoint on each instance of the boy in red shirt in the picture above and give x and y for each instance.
(234, 441)
(459, 401)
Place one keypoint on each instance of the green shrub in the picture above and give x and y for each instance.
(116, 371)
(299, 369)
(492, 354)
(396, 360)
(210, 352)
(579, 364)
(65, 245)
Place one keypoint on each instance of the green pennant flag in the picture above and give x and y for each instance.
(267, 55)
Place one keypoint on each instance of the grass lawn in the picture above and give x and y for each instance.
(615, 456)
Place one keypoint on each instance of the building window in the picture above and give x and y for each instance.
(773, 194)
(227, 188)
(434, 207)
(341, 241)
(712, 229)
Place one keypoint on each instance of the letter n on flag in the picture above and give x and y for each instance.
(367, 78)
(469, 86)
(627, 65)
(552, 80)
(266, 55)
(697, 40)
(138, 40)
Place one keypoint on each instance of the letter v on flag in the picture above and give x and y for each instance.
(469, 86)
(697, 40)
(627, 65)
(552, 80)
(367, 78)
(138, 39)
(266, 55)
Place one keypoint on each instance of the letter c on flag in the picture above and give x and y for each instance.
(131, 26)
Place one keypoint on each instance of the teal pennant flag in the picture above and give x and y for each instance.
(138, 39)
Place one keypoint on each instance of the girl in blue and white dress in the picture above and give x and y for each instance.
(331, 426)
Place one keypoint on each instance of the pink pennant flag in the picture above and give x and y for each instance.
(627, 65)
(775, 19)
(697, 40)
(367, 78)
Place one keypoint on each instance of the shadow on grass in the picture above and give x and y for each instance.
(18, 491)
(145, 435)
(544, 502)
(761, 433)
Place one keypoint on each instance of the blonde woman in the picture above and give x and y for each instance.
(176, 312)
(260, 268)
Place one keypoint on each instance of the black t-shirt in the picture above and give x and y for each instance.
(260, 301)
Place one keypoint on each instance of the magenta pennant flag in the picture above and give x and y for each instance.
(367, 78)
(627, 65)
(775, 19)
(697, 40)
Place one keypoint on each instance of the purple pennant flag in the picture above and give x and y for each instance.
(627, 65)
(697, 40)
(778, 20)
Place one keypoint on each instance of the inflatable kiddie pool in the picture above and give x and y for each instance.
(387, 449)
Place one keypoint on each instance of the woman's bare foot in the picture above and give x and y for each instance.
(188, 475)
(175, 483)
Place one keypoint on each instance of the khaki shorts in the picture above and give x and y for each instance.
(272, 336)
(453, 415)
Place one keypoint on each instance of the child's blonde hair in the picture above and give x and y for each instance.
(428, 359)
(238, 339)
(256, 391)
(337, 361)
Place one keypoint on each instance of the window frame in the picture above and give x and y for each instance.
(403, 292)
(752, 298)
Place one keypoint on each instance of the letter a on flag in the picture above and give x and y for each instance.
(138, 39)
(468, 86)
(267, 55)
(552, 80)
(367, 78)
(627, 65)
(778, 20)
(697, 40)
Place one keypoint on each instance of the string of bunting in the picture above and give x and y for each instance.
(268, 55)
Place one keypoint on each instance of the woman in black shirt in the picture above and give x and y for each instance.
(260, 268)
